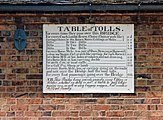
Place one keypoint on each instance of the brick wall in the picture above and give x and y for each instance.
(21, 96)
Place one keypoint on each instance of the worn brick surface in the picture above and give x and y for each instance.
(21, 96)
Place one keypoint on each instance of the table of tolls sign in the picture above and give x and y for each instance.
(88, 58)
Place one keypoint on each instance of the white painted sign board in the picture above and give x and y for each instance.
(88, 58)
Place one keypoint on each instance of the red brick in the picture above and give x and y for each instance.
(153, 59)
(74, 113)
(10, 114)
(19, 107)
(34, 76)
(46, 118)
(11, 101)
(2, 102)
(2, 114)
(142, 45)
(154, 70)
(154, 94)
(147, 101)
(20, 70)
(35, 101)
(141, 89)
(21, 89)
(129, 107)
(115, 107)
(3, 27)
(160, 107)
(115, 101)
(74, 107)
(140, 114)
(87, 107)
(142, 107)
(49, 95)
(115, 114)
(141, 70)
(140, 95)
(10, 89)
(2, 52)
(141, 82)
(5, 95)
(129, 113)
(47, 101)
(152, 107)
(11, 76)
(155, 101)
(21, 118)
(143, 39)
(34, 107)
(95, 113)
(153, 82)
(3, 64)
(75, 101)
(20, 114)
(85, 113)
(60, 113)
(6, 108)
(156, 76)
(142, 51)
(88, 101)
(154, 45)
(60, 101)
(33, 114)
(101, 101)
(157, 51)
(156, 88)
(100, 118)
(11, 52)
(48, 107)
(155, 113)
(154, 118)
(101, 107)
(2, 89)
(2, 76)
